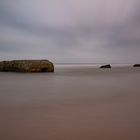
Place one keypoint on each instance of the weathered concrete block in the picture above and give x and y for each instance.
(27, 66)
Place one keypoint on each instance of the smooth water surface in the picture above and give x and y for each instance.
(74, 103)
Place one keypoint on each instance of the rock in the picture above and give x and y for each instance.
(136, 65)
(26, 66)
(106, 66)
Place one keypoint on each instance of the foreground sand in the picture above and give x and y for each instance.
(74, 103)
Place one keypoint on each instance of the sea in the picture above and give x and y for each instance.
(76, 102)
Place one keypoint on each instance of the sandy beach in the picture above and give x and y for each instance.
(74, 103)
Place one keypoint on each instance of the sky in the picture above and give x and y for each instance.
(70, 31)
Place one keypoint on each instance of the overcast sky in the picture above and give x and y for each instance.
(98, 31)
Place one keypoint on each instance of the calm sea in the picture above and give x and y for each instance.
(76, 102)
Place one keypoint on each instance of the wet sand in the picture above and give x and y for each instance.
(74, 103)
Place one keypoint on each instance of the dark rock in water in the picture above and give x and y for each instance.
(136, 65)
(106, 66)
(26, 66)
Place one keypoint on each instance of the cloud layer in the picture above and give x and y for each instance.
(70, 30)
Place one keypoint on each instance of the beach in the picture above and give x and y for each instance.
(76, 102)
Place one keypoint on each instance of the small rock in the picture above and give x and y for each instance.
(106, 66)
(136, 65)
